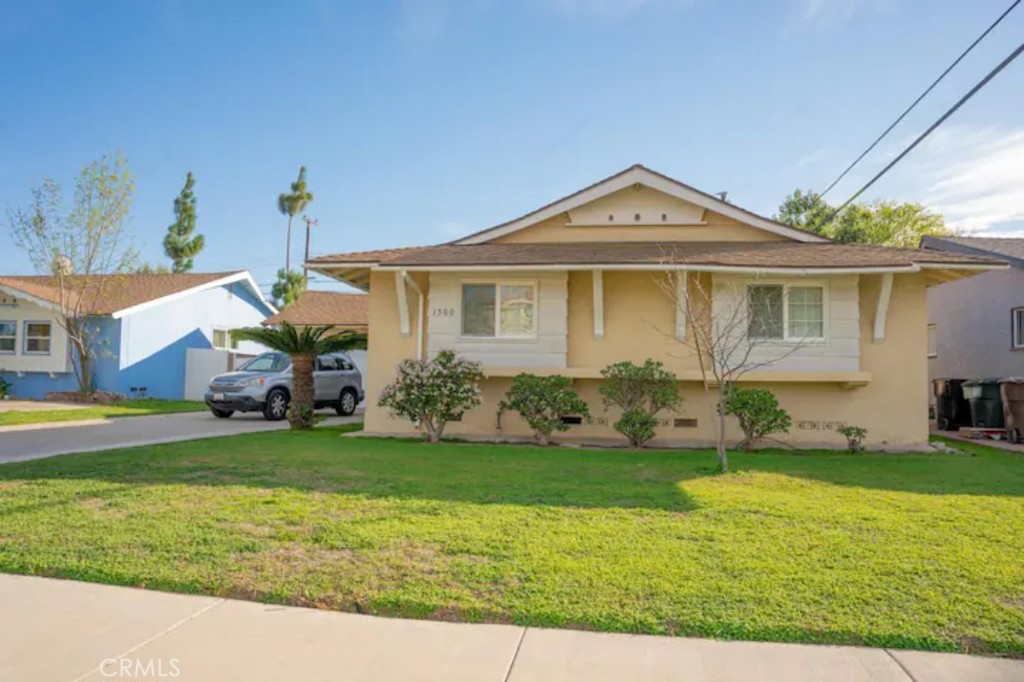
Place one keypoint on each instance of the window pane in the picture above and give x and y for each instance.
(37, 345)
(220, 339)
(806, 313)
(764, 308)
(6, 344)
(517, 310)
(37, 329)
(1018, 327)
(478, 309)
(8, 328)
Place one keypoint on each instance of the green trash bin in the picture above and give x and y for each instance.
(986, 403)
(1011, 390)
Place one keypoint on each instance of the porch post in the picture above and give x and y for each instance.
(403, 303)
(598, 304)
(682, 280)
(882, 309)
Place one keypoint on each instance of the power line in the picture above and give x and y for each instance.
(920, 138)
(921, 97)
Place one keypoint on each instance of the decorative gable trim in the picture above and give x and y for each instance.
(643, 176)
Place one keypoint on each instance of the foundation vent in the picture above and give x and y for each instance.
(685, 423)
(572, 419)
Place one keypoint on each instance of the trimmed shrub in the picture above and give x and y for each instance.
(542, 402)
(855, 436)
(434, 392)
(645, 389)
(637, 426)
(758, 412)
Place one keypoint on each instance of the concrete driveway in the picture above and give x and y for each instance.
(35, 441)
(62, 631)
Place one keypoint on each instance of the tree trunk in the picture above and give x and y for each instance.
(288, 247)
(83, 367)
(543, 438)
(723, 456)
(300, 414)
(433, 431)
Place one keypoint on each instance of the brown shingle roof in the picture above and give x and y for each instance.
(376, 256)
(325, 308)
(1012, 247)
(106, 294)
(729, 254)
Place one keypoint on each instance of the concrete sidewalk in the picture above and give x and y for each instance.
(63, 631)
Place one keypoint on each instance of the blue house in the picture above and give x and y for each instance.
(144, 326)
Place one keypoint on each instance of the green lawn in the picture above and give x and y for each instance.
(128, 408)
(920, 551)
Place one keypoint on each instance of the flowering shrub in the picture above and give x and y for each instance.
(640, 391)
(434, 392)
(758, 412)
(542, 401)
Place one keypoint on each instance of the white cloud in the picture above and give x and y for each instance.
(973, 176)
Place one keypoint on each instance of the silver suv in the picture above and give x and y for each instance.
(264, 384)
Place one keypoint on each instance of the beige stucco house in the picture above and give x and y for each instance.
(598, 277)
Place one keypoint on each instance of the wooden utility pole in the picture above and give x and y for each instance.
(310, 222)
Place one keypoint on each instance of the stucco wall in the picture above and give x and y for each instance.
(20, 361)
(547, 349)
(893, 406)
(154, 340)
(972, 318)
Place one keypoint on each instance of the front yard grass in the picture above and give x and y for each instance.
(913, 551)
(127, 408)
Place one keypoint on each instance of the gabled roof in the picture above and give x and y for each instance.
(325, 308)
(122, 294)
(642, 175)
(1008, 248)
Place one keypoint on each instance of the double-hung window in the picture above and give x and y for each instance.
(1017, 323)
(8, 336)
(37, 338)
(786, 312)
(506, 310)
(223, 340)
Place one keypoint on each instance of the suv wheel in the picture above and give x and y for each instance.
(276, 407)
(347, 402)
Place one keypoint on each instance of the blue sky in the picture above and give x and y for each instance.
(426, 119)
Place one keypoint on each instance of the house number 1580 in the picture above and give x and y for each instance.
(442, 312)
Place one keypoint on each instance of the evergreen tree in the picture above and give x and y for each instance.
(288, 287)
(179, 244)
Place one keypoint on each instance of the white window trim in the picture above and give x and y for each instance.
(933, 335)
(498, 336)
(227, 335)
(15, 337)
(27, 338)
(1015, 342)
(786, 286)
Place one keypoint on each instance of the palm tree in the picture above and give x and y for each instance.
(303, 346)
(292, 204)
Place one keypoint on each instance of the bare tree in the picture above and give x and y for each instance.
(726, 328)
(82, 248)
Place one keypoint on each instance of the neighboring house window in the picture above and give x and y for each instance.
(222, 339)
(8, 336)
(1017, 318)
(786, 312)
(500, 309)
(37, 337)
(933, 341)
